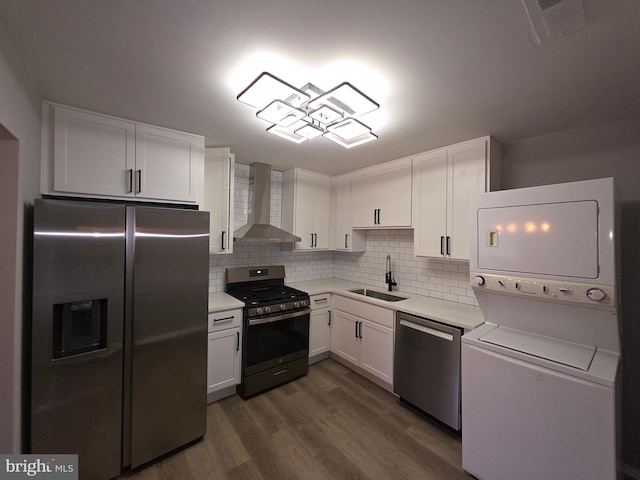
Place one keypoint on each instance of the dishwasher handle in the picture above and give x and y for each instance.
(436, 330)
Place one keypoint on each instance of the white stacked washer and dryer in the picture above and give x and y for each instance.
(539, 377)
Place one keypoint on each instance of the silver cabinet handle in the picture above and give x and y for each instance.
(441, 244)
(223, 247)
(448, 245)
(139, 174)
(224, 319)
(318, 300)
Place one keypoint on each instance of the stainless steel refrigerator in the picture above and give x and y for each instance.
(119, 332)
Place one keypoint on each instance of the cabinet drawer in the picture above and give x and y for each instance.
(322, 300)
(223, 320)
(381, 315)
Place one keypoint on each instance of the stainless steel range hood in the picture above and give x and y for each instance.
(259, 229)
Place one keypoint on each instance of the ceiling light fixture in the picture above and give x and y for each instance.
(300, 114)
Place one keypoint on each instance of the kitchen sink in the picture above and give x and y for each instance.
(379, 295)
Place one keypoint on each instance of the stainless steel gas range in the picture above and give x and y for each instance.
(275, 327)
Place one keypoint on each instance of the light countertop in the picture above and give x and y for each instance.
(219, 301)
(451, 313)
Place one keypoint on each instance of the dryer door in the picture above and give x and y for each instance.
(559, 239)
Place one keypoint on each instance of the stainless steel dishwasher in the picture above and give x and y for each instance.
(426, 368)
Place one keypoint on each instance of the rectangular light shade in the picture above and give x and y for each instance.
(354, 142)
(264, 89)
(325, 114)
(280, 113)
(349, 128)
(287, 133)
(346, 98)
(309, 131)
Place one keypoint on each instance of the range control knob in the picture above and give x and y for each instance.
(283, 306)
(267, 309)
(296, 304)
(259, 311)
(596, 294)
(479, 280)
(303, 303)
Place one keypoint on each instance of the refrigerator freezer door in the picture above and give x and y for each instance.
(170, 275)
(77, 328)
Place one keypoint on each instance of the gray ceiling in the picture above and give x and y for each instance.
(443, 71)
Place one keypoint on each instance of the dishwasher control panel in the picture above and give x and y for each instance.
(550, 290)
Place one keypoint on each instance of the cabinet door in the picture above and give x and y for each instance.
(345, 238)
(167, 164)
(381, 196)
(223, 364)
(303, 208)
(319, 331)
(429, 203)
(344, 341)
(93, 155)
(377, 350)
(466, 175)
(219, 178)
(321, 217)
(305, 211)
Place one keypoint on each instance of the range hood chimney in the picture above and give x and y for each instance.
(259, 229)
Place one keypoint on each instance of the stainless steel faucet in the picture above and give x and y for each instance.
(388, 277)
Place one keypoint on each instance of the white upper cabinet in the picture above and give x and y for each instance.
(92, 154)
(87, 154)
(305, 208)
(166, 164)
(443, 180)
(381, 195)
(219, 178)
(345, 238)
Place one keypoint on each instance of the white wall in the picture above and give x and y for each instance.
(20, 116)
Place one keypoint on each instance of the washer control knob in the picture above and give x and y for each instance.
(283, 306)
(596, 294)
(479, 280)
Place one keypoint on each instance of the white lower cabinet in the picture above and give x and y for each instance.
(362, 334)
(224, 354)
(320, 327)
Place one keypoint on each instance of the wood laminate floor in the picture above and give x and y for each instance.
(330, 424)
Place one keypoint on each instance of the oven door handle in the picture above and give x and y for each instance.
(277, 318)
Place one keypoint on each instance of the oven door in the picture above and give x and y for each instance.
(275, 339)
